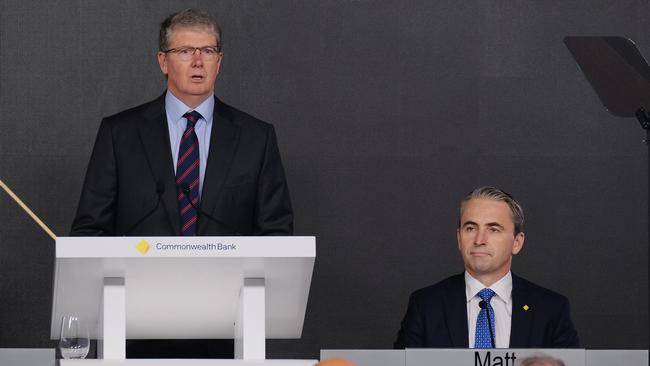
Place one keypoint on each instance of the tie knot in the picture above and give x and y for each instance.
(192, 117)
(486, 294)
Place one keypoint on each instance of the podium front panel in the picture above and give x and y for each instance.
(184, 288)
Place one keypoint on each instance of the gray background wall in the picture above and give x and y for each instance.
(387, 112)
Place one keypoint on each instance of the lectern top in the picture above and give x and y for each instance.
(179, 247)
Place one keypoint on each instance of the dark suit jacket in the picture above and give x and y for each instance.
(437, 317)
(244, 185)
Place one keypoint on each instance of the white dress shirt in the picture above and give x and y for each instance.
(501, 304)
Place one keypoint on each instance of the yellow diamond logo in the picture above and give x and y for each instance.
(142, 246)
(526, 307)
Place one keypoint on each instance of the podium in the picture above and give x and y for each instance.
(246, 288)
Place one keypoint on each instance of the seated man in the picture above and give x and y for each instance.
(487, 306)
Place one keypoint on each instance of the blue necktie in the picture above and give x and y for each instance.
(482, 337)
(187, 175)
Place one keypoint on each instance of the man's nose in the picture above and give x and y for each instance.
(481, 237)
(197, 59)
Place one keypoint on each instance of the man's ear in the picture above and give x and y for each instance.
(162, 61)
(519, 243)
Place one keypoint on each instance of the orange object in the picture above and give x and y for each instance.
(337, 361)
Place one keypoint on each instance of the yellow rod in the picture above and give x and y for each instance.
(29, 212)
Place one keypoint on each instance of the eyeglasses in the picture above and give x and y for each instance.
(207, 53)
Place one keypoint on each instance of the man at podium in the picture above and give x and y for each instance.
(487, 306)
(185, 163)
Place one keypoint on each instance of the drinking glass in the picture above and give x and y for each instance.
(74, 341)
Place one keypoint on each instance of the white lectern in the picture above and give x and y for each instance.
(246, 288)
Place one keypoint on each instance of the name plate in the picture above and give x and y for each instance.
(492, 357)
(495, 357)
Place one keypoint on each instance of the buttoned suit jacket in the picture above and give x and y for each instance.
(131, 175)
(437, 317)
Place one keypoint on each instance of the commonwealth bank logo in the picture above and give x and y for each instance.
(143, 246)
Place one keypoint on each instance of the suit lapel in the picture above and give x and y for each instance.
(223, 144)
(155, 140)
(456, 310)
(523, 312)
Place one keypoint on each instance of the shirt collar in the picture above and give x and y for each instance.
(502, 288)
(176, 109)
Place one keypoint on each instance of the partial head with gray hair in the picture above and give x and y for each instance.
(188, 18)
(541, 360)
(496, 194)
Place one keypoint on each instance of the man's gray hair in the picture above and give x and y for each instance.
(191, 18)
(541, 360)
(496, 194)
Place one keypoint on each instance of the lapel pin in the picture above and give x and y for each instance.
(526, 307)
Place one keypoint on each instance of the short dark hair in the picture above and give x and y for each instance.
(496, 194)
(188, 18)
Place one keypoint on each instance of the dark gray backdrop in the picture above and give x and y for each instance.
(387, 112)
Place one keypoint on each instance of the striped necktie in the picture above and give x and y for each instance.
(187, 175)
